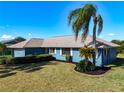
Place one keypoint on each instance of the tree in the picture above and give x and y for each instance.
(80, 19)
(87, 53)
(121, 43)
(2, 48)
(116, 42)
(19, 39)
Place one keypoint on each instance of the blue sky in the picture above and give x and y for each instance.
(47, 19)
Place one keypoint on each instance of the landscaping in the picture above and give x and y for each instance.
(59, 76)
(27, 59)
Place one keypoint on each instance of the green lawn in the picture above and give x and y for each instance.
(121, 55)
(58, 76)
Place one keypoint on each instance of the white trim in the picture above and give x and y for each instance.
(71, 52)
(60, 51)
(55, 51)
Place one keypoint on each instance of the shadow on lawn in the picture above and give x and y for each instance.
(6, 71)
(119, 62)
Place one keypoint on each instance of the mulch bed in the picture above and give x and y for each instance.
(97, 71)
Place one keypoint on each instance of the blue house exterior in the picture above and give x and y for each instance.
(58, 46)
(101, 57)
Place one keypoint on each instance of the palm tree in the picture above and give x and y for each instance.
(80, 19)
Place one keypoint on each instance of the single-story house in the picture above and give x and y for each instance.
(8, 42)
(61, 45)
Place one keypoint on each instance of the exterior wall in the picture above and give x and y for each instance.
(30, 51)
(12, 52)
(75, 56)
(111, 56)
(58, 55)
(99, 57)
(34, 51)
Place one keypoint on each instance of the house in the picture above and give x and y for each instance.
(7, 42)
(61, 45)
(12, 41)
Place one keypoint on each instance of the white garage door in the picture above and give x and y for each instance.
(19, 52)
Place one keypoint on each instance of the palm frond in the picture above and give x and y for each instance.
(86, 28)
(77, 26)
(100, 24)
(73, 14)
(90, 9)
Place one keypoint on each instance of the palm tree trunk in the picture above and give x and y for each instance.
(94, 39)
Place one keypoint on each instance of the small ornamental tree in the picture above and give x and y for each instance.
(86, 65)
(87, 53)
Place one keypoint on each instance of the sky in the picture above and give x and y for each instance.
(43, 19)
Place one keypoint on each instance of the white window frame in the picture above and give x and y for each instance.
(71, 52)
(60, 51)
(54, 50)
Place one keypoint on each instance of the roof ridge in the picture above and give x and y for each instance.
(37, 38)
(26, 43)
(60, 36)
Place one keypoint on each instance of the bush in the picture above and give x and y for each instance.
(68, 58)
(2, 60)
(32, 59)
(26, 59)
(81, 66)
(90, 66)
(84, 66)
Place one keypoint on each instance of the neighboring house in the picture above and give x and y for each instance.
(12, 41)
(8, 42)
(62, 45)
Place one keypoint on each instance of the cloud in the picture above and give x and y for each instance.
(111, 34)
(29, 34)
(101, 36)
(5, 36)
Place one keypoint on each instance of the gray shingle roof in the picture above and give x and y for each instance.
(61, 41)
(32, 43)
(64, 41)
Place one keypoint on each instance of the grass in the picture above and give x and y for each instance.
(9, 56)
(121, 55)
(58, 76)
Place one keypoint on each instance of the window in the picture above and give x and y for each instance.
(65, 51)
(52, 50)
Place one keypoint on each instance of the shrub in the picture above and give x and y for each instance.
(90, 66)
(2, 60)
(68, 58)
(84, 66)
(81, 66)
(26, 59)
(32, 59)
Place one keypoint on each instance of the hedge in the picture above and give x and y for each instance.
(26, 59)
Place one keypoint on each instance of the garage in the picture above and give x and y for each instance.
(19, 52)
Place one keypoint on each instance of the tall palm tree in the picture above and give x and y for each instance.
(80, 19)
